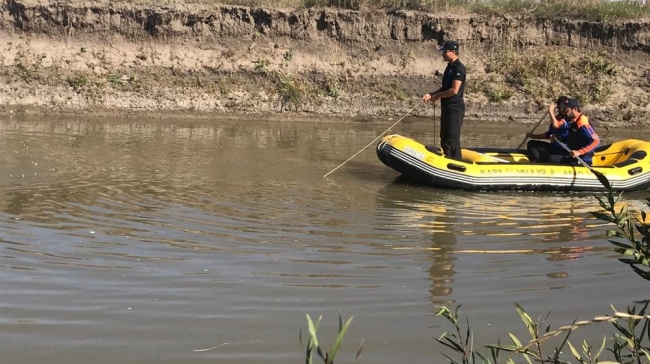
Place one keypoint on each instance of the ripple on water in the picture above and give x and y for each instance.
(165, 238)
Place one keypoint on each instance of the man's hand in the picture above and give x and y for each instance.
(575, 153)
(552, 138)
(552, 108)
(429, 97)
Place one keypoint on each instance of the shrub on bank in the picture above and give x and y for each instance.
(536, 76)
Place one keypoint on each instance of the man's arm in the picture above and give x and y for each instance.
(557, 124)
(431, 95)
(435, 92)
(453, 90)
(588, 132)
(537, 136)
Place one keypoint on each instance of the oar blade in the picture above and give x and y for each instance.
(603, 180)
(601, 177)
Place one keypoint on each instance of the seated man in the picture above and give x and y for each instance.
(538, 150)
(582, 139)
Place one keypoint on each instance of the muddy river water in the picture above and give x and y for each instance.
(207, 241)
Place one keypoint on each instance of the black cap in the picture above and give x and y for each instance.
(449, 46)
(570, 103)
(562, 100)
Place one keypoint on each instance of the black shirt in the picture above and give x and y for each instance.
(455, 71)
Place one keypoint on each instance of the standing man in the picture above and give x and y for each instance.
(452, 103)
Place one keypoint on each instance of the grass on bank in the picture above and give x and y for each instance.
(509, 71)
(583, 9)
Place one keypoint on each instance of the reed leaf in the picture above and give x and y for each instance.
(313, 328)
(530, 325)
(600, 350)
(575, 352)
(450, 343)
(339, 339)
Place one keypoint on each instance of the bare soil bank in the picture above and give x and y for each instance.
(232, 60)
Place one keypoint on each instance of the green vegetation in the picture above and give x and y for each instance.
(583, 9)
(635, 231)
(596, 10)
(77, 82)
(262, 67)
(288, 55)
(313, 344)
(406, 59)
(628, 344)
(543, 77)
(493, 87)
(290, 91)
(333, 86)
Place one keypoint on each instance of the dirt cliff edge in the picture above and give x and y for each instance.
(233, 59)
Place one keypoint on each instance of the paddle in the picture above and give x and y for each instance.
(535, 127)
(601, 177)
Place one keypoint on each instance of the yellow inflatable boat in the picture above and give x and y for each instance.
(625, 164)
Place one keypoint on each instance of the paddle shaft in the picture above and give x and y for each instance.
(601, 177)
(535, 127)
(565, 147)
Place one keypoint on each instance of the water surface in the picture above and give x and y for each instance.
(183, 241)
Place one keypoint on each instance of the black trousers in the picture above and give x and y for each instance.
(538, 150)
(563, 159)
(450, 123)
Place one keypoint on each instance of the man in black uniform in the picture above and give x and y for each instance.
(452, 103)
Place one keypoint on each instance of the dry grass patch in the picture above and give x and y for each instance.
(596, 10)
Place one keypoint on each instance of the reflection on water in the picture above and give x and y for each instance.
(558, 228)
(164, 238)
(443, 240)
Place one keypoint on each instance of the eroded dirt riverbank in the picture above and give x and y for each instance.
(231, 60)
